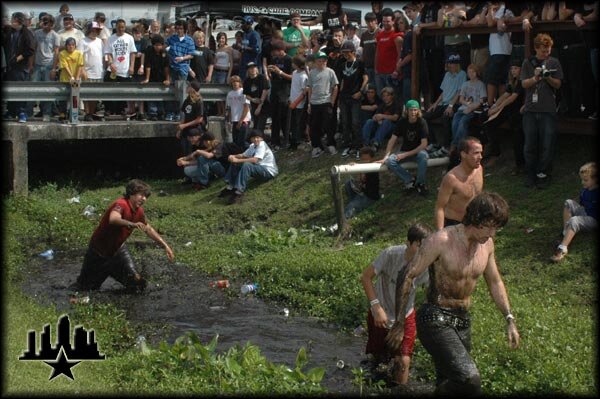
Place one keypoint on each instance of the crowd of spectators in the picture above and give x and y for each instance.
(340, 87)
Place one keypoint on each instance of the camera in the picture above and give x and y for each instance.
(546, 72)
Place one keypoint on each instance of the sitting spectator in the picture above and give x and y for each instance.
(203, 63)
(68, 31)
(93, 55)
(157, 70)
(71, 67)
(297, 101)
(237, 113)
(508, 107)
(141, 44)
(204, 162)
(46, 56)
(188, 161)
(471, 95)
(582, 216)
(369, 104)
(379, 128)
(257, 160)
(193, 115)
(256, 90)
(363, 190)
(413, 132)
(444, 105)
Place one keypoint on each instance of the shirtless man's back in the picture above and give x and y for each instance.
(460, 185)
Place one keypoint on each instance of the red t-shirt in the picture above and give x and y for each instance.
(108, 238)
(387, 55)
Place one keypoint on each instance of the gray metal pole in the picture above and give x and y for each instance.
(338, 200)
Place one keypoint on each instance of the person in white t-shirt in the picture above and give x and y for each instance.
(238, 111)
(93, 68)
(298, 100)
(257, 160)
(68, 31)
(121, 52)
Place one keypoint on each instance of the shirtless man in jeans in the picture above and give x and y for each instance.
(456, 256)
(460, 185)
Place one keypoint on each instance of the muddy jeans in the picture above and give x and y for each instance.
(97, 268)
(446, 334)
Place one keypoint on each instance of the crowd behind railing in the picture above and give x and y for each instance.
(340, 87)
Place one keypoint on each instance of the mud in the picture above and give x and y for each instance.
(179, 299)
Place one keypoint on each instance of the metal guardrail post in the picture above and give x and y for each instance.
(74, 107)
(338, 200)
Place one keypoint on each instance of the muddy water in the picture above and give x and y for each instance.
(179, 299)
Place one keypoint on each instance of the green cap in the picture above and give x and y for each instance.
(320, 54)
(412, 104)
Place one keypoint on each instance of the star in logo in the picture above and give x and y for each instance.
(62, 365)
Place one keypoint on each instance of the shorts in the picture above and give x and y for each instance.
(579, 220)
(376, 340)
(496, 72)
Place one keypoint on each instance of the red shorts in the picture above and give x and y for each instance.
(376, 340)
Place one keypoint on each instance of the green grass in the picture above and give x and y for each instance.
(275, 239)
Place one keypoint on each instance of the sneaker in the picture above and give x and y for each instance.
(409, 186)
(432, 147)
(331, 149)
(316, 152)
(422, 189)
(593, 116)
(176, 118)
(442, 152)
(46, 118)
(169, 117)
(22, 117)
(542, 181)
(199, 186)
(226, 192)
(559, 255)
(236, 198)
(375, 146)
(346, 152)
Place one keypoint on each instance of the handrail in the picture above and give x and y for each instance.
(536, 27)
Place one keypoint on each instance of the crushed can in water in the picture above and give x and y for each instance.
(247, 288)
(48, 255)
(219, 284)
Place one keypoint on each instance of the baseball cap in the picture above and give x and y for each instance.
(350, 25)
(195, 85)
(248, 19)
(93, 25)
(68, 16)
(251, 64)
(453, 59)
(412, 104)
(348, 45)
(255, 133)
(320, 54)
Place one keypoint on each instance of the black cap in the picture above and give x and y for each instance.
(19, 16)
(255, 133)
(194, 84)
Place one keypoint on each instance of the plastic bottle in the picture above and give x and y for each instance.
(113, 75)
(247, 288)
(219, 284)
(49, 254)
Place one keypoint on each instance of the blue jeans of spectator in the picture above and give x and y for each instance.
(396, 167)
(219, 76)
(539, 129)
(357, 202)
(374, 132)
(406, 89)
(205, 167)
(155, 108)
(371, 74)
(350, 119)
(383, 80)
(172, 107)
(239, 134)
(16, 75)
(460, 126)
(41, 73)
(239, 174)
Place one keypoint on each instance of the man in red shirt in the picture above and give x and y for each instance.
(107, 254)
(389, 46)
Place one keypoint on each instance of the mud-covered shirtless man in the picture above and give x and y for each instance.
(456, 256)
(460, 185)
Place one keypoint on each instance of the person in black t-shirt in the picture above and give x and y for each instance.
(193, 115)
(378, 129)
(412, 130)
(363, 190)
(256, 89)
(157, 70)
(203, 63)
(280, 72)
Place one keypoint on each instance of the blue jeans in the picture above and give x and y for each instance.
(539, 129)
(383, 80)
(239, 174)
(396, 167)
(16, 75)
(460, 126)
(357, 202)
(155, 108)
(373, 132)
(41, 73)
(406, 89)
(371, 74)
(350, 119)
(219, 76)
(205, 168)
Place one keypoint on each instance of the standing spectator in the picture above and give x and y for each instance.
(193, 115)
(192, 27)
(298, 100)
(295, 35)
(333, 17)
(69, 30)
(100, 18)
(500, 50)
(412, 130)
(157, 70)
(317, 42)
(541, 76)
(203, 63)
(223, 66)
(404, 67)
(250, 47)
(376, 8)
(237, 54)
(257, 160)
(139, 74)
(452, 16)
(19, 47)
(256, 90)
(180, 48)
(280, 74)
(237, 112)
(445, 104)
(350, 34)
(471, 96)
(93, 67)
(169, 30)
(335, 61)
(71, 68)
(363, 190)
(480, 42)
(588, 12)
(154, 27)
(322, 92)
(46, 56)
(369, 45)
(121, 53)
(352, 84)
(58, 20)
(411, 11)
(379, 128)
(389, 46)
(433, 53)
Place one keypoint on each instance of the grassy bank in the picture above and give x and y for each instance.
(275, 238)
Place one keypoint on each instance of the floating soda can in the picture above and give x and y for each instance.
(48, 255)
(247, 288)
(219, 284)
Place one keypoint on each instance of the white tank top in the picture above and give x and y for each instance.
(222, 60)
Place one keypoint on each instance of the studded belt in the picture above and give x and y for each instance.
(445, 318)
